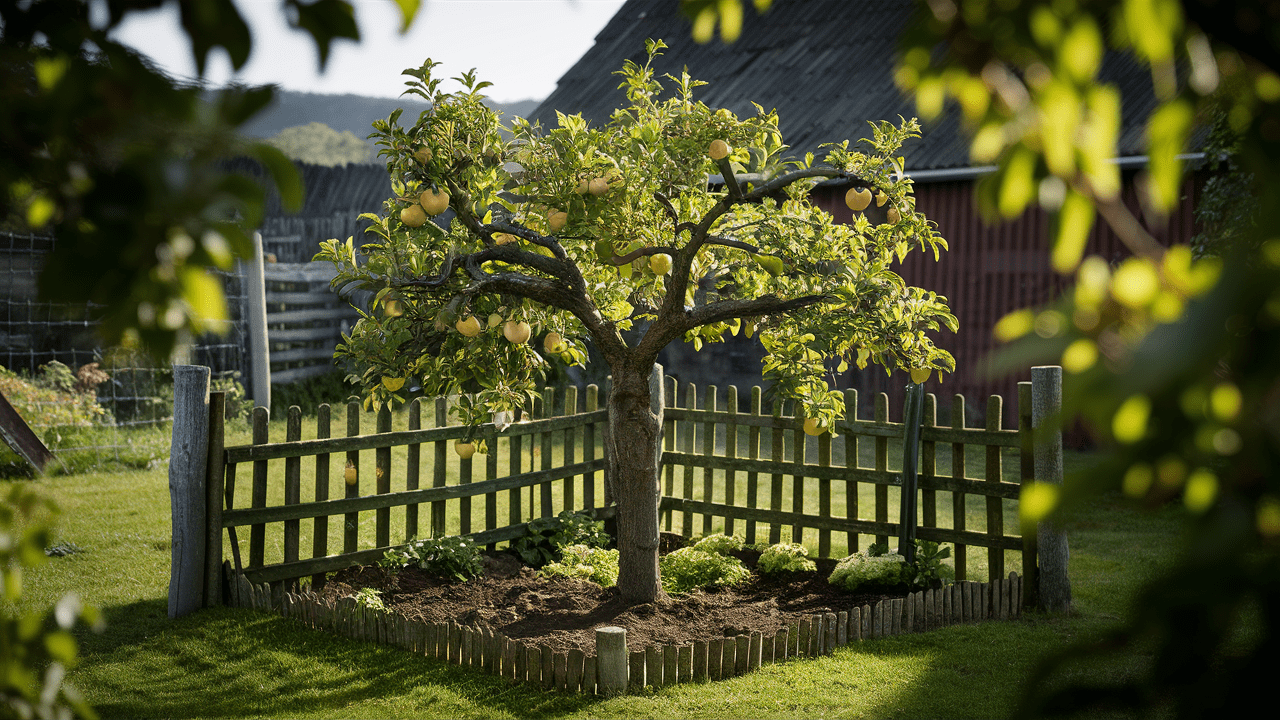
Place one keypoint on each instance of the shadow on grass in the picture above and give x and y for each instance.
(225, 662)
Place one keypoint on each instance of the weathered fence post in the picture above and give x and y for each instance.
(1051, 542)
(259, 351)
(188, 456)
(611, 661)
(214, 492)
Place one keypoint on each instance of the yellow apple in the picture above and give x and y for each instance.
(660, 264)
(719, 149)
(920, 375)
(857, 199)
(464, 449)
(584, 186)
(434, 201)
(881, 198)
(423, 154)
(556, 220)
(392, 384)
(468, 326)
(553, 343)
(516, 332)
(812, 426)
(598, 186)
(350, 474)
(413, 216)
(893, 216)
(495, 320)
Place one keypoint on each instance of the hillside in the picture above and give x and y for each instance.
(353, 113)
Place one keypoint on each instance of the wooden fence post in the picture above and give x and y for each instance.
(188, 457)
(259, 351)
(214, 489)
(1051, 541)
(611, 661)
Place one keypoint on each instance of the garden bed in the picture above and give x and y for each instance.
(562, 613)
(514, 622)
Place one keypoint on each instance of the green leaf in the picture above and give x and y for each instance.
(215, 23)
(408, 10)
(325, 20)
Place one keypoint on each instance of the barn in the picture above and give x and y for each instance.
(827, 67)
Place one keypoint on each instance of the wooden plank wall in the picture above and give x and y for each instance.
(305, 319)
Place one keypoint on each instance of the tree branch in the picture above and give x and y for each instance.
(730, 309)
(730, 182)
(654, 250)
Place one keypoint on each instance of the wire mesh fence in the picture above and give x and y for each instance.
(93, 406)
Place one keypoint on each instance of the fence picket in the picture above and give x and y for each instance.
(995, 506)
(351, 521)
(776, 447)
(928, 468)
(320, 526)
(731, 451)
(413, 469)
(799, 448)
(258, 499)
(670, 388)
(589, 448)
(824, 493)
(437, 508)
(382, 480)
(851, 461)
(882, 465)
(686, 446)
(567, 495)
(753, 453)
(958, 509)
(548, 410)
(708, 450)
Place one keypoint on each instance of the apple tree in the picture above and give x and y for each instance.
(576, 234)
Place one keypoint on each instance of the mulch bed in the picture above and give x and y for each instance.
(562, 613)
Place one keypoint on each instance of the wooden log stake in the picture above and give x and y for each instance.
(829, 620)
(636, 676)
(589, 676)
(715, 656)
(577, 662)
(699, 672)
(753, 651)
(654, 665)
(611, 667)
(669, 665)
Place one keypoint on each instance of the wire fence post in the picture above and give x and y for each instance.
(1051, 541)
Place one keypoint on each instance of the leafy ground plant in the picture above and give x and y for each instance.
(547, 537)
(929, 570)
(785, 557)
(456, 557)
(719, 544)
(370, 599)
(688, 568)
(598, 565)
(863, 569)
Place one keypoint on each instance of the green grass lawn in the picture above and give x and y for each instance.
(223, 662)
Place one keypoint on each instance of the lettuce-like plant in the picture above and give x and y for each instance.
(689, 568)
(785, 557)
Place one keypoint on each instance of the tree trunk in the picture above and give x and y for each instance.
(633, 456)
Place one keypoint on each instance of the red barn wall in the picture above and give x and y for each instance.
(989, 271)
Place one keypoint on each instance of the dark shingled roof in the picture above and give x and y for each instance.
(826, 65)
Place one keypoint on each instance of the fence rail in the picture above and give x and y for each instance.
(750, 472)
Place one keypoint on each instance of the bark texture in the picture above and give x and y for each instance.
(633, 458)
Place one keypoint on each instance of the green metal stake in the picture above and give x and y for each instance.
(910, 450)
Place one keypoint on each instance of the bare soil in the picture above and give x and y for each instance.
(563, 613)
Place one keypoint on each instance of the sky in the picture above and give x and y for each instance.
(521, 46)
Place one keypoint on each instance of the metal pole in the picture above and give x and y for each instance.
(910, 450)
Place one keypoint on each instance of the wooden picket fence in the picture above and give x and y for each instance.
(575, 671)
(743, 464)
